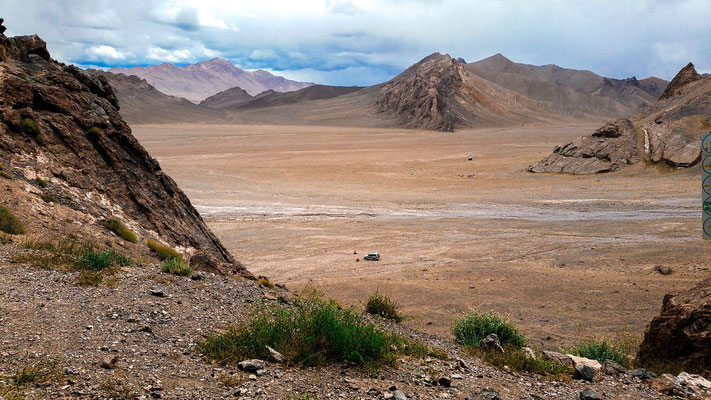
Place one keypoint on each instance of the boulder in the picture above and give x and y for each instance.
(590, 394)
(584, 372)
(560, 358)
(491, 342)
(251, 365)
(642, 373)
(681, 334)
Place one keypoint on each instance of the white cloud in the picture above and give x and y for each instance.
(104, 52)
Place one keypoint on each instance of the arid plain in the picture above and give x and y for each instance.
(566, 257)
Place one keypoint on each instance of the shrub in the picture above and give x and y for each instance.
(177, 266)
(41, 372)
(383, 306)
(41, 182)
(120, 229)
(264, 281)
(9, 223)
(517, 360)
(471, 329)
(89, 278)
(164, 252)
(98, 260)
(29, 126)
(601, 350)
(94, 131)
(311, 332)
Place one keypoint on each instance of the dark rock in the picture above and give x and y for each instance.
(109, 362)
(642, 373)
(197, 277)
(687, 75)
(681, 334)
(2, 28)
(445, 381)
(612, 368)
(485, 394)
(584, 372)
(590, 394)
(157, 293)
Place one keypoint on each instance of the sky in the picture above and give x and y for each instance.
(363, 42)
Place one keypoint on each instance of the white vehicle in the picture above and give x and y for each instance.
(372, 257)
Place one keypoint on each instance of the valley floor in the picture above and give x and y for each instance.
(567, 257)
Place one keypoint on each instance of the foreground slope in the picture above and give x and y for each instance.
(70, 161)
(574, 91)
(667, 132)
(196, 82)
(141, 103)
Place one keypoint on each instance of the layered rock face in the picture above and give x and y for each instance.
(667, 132)
(608, 149)
(62, 124)
(682, 332)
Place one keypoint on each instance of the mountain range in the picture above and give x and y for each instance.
(196, 82)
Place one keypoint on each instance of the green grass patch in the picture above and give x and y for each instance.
(518, 360)
(119, 228)
(9, 223)
(310, 332)
(39, 373)
(384, 306)
(163, 252)
(602, 350)
(30, 126)
(176, 266)
(94, 131)
(41, 182)
(473, 328)
(94, 260)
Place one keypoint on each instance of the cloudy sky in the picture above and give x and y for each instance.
(362, 42)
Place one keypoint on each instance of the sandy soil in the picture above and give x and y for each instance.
(565, 256)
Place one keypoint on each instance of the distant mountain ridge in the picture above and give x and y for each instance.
(196, 82)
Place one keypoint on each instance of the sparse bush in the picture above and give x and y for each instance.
(41, 182)
(9, 222)
(383, 306)
(472, 329)
(41, 372)
(176, 266)
(47, 198)
(311, 332)
(93, 131)
(601, 350)
(118, 389)
(120, 229)
(89, 278)
(99, 260)
(29, 126)
(163, 252)
(517, 360)
(264, 281)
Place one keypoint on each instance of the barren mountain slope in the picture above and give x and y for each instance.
(196, 82)
(141, 103)
(232, 99)
(70, 161)
(227, 98)
(576, 92)
(667, 132)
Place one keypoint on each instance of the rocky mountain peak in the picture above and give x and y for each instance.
(60, 125)
(685, 76)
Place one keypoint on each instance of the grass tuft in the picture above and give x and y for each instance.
(310, 332)
(264, 281)
(40, 373)
(94, 132)
(473, 328)
(601, 350)
(29, 126)
(119, 228)
(99, 260)
(163, 252)
(41, 182)
(9, 223)
(177, 266)
(518, 360)
(384, 306)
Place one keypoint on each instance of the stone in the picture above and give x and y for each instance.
(157, 293)
(388, 396)
(398, 395)
(445, 381)
(251, 365)
(491, 341)
(275, 356)
(590, 394)
(560, 358)
(109, 362)
(485, 394)
(692, 380)
(529, 353)
(610, 367)
(457, 376)
(681, 334)
(584, 372)
(642, 373)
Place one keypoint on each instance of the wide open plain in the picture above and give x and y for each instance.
(566, 257)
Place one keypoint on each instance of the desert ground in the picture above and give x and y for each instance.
(566, 257)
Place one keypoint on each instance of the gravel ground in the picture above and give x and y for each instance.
(44, 314)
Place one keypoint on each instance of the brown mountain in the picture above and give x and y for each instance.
(141, 103)
(69, 162)
(236, 98)
(196, 82)
(667, 132)
(574, 92)
(227, 98)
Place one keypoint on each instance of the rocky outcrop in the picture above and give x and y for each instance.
(681, 334)
(667, 132)
(608, 149)
(63, 124)
(687, 75)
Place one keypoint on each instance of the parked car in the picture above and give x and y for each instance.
(372, 257)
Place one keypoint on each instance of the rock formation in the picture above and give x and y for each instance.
(667, 132)
(61, 126)
(682, 332)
